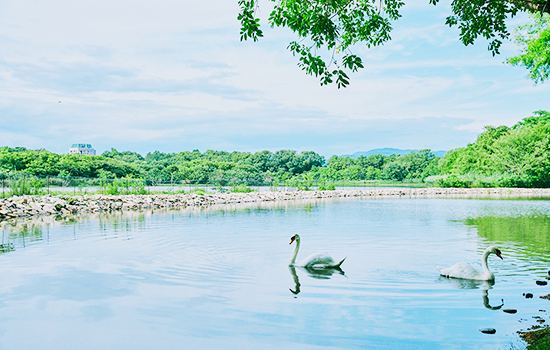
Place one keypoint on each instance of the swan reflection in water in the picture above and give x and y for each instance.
(460, 283)
(319, 273)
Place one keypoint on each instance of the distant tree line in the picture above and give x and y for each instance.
(219, 165)
(501, 156)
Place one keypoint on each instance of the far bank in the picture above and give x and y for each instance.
(27, 205)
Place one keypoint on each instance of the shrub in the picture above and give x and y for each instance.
(242, 188)
(454, 181)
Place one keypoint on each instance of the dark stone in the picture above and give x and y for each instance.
(542, 283)
(488, 330)
(528, 295)
(510, 311)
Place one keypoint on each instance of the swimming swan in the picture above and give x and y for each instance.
(316, 261)
(466, 271)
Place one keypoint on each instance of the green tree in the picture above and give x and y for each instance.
(127, 156)
(396, 171)
(372, 173)
(540, 117)
(476, 157)
(262, 161)
(519, 155)
(334, 26)
(534, 40)
(376, 161)
(340, 163)
(525, 154)
(417, 162)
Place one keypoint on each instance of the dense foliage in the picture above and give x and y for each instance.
(264, 166)
(534, 40)
(412, 166)
(328, 29)
(517, 156)
(42, 162)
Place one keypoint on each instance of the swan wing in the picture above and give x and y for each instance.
(461, 270)
(317, 260)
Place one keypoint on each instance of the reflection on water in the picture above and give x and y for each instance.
(318, 273)
(485, 294)
(460, 283)
(530, 229)
(6, 247)
(296, 280)
(322, 273)
(218, 277)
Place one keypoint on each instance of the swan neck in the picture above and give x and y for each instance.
(295, 253)
(486, 270)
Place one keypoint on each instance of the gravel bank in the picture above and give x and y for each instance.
(25, 206)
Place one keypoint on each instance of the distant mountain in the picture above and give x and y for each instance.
(389, 152)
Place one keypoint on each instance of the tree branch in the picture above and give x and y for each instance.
(533, 6)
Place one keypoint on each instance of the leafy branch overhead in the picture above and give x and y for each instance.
(534, 38)
(327, 29)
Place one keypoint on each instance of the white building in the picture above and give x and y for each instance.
(82, 148)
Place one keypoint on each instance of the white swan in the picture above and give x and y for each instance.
(466, 271)
(316, 261)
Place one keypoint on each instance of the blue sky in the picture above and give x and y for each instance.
(173, 76)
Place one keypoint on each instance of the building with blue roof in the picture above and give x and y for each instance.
(82, 148)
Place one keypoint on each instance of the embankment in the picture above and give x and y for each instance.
(24, 206)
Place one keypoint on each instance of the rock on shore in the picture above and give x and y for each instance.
(24, 206)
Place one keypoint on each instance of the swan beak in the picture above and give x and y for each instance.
(500, 256)
(291, 240)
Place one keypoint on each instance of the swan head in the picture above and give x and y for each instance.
(496, 251)
(296, 238)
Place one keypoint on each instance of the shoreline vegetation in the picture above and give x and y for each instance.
(517, 156)
(536, 338)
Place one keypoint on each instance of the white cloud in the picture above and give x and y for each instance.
(172, 75)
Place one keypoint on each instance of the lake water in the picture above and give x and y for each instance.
(218, 277)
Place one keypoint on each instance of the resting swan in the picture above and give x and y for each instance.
(466, 271)
(316, 261)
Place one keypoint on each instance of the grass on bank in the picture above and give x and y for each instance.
(119, 190)
(538, 339)
(475, 180)
(33, 186)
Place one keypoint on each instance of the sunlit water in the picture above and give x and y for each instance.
(216, 278)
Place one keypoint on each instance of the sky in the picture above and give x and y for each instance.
(173, 76)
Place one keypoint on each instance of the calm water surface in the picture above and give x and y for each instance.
(217, 278)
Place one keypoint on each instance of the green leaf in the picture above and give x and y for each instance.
(534, 40)
(328, 28)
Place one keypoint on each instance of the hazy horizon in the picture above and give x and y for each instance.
(375, 150)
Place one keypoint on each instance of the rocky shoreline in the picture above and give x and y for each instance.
(25, 206)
